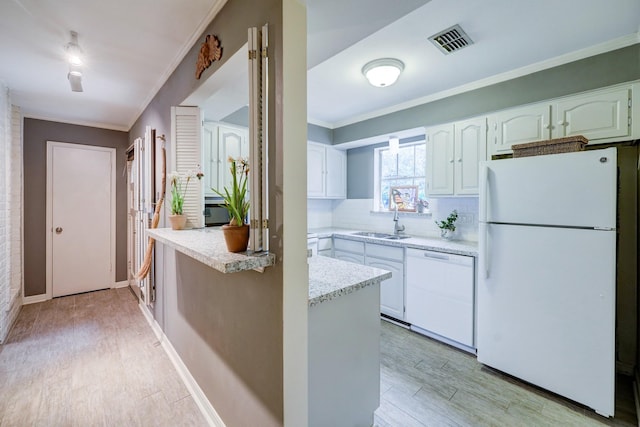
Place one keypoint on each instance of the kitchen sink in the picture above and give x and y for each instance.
(380, 235)
(397, 237)
(373, 234)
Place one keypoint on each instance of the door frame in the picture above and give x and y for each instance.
(49, 209)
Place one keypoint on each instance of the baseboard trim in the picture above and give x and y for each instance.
(34, 299)
(208, 411)
(121, 284)
(636, 395)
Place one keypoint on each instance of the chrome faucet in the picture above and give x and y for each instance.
(397, 228)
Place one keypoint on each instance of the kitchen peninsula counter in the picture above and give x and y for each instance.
(331, 278)
(207, 245)
(344, 342)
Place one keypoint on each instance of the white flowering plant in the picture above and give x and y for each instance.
(179, 185)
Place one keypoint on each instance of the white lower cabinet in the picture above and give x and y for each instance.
(389, 258)
(440, 294)
(348, 250)
(325, 247)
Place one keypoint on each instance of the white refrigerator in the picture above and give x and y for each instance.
(547, 272)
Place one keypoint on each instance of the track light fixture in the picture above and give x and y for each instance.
(75, 59)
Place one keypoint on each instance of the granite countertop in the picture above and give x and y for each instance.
(458, 247)
(207, 246)
(331, 278)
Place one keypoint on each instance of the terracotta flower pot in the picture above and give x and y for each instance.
(236, 237)
(178, 221)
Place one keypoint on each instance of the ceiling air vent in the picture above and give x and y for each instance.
(450, 40)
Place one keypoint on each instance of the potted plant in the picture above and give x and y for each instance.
(448, 226)
(179, 185)
(236, 233)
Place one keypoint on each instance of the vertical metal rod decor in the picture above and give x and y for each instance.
(265, 137)
(258, 147)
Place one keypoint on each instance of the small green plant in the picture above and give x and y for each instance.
(179, 184)
(450, 222)
(235, 199)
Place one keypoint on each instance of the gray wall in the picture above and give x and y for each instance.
(613, 67)
(610, 68)
(321, 134)
(360, 172)
(36, 135)
(241, 361)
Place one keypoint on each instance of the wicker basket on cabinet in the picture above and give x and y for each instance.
(550, 146)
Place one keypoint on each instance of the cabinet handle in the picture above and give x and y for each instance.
(450, 160)
(459, 160)
(562, 123)
(436, 256)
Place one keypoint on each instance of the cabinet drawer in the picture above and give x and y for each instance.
(324, 243)
(348, 246)
(387, 252)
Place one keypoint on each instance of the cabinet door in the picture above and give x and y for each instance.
(316, 168)
(348, 256)
(470, 148)
(336, 176)
(518, 126)
(440, 289)
(600, 115)
(210, 159)
(233, 143)
(440, 160)
(391, 290)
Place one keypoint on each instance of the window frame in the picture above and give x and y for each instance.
(377, 173)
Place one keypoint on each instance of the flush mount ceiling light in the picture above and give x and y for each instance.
(383, 72)
(74, 57)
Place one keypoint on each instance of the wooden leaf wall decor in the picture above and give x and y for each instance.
(209, 51)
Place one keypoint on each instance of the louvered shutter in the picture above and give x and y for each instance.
(186, 155)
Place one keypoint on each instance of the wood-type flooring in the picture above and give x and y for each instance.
(93, 360)
(427, 383)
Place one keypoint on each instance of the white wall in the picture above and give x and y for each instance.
(356, 214)
(319, 213)
(10, 212)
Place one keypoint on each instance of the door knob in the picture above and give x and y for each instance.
(58, 230)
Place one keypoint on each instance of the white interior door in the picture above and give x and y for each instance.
(81, 204)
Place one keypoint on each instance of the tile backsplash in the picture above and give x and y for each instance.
(357, 214)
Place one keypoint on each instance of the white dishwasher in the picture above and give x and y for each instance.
(440, 296)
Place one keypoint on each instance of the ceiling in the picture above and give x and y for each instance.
(132, 47)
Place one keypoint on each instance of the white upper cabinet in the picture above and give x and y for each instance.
(599, 115)
(518, 126)
(316, 166)
(326, 172)
(221, 141)
(440, 159)
(210, 158)
(234, 143)
(453, 154)
(336, 176)
(470, 148)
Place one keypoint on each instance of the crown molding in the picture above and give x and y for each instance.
(100, 125)
(197, 32)
(610, 45)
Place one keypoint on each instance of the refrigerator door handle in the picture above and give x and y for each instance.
(484, 251)
(484, 191)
